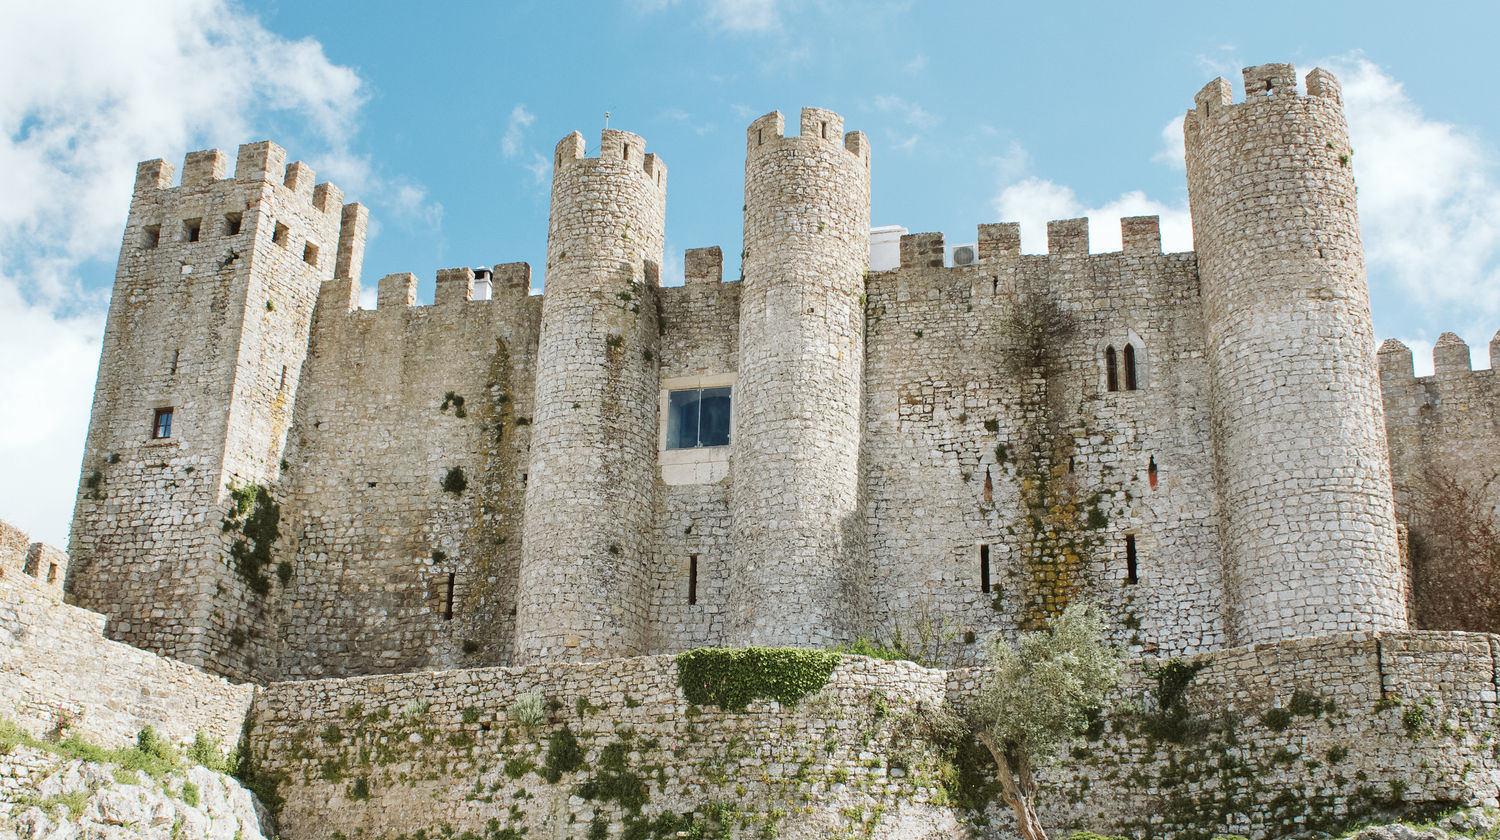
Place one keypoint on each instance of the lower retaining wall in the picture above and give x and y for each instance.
(1285, 737)
(56, 666)
(381, 757)
(1267, 740)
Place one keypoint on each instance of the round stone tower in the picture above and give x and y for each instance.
(797, 401)
(593, 434)
(1307, 523)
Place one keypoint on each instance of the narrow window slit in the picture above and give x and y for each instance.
(825, 130)
(1131, 575)
(448, 603)
(1151, 472)
(176, 355)
(692, 579)
(282, 386)
(984, 568)
(1130, 383)
(1111, 374)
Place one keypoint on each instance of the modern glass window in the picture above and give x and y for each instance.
(161, 426)
(698, 417)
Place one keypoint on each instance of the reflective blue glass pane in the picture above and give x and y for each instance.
(713, 428)
(682, 419)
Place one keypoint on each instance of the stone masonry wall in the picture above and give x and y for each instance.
(699, 343)
(1295, 735)
(1308, 527)
(799, 572)
(213, 296)
(1444, 434)
(588, 520)
(31, 563)
(1287, 737)
(397, 399)
(992, 437)
(55, 663)
(379, 757)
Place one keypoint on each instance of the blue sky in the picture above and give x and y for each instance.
(442, 117)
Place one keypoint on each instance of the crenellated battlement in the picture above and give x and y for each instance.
(36, 563)
(619, 151)
(509, 281)
(1140, 236)
(703, 266)
(257, 162)
(1263, 83)
(1452, 362)
(817, 125)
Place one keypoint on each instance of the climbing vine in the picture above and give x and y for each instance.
(257, 517)
(731, 678)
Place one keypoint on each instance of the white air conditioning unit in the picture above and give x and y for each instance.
(963, 255)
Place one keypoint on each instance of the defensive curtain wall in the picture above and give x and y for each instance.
(1267, 740)
(1279, 737)
(56, 667)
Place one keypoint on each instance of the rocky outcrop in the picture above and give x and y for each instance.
(70, 799)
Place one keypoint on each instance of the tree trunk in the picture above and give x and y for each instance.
(1017, 787)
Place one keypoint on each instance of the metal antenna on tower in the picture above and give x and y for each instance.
(606, 119)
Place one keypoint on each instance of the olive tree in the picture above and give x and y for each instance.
(1038, 696)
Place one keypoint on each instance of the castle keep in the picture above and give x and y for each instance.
(280, 485)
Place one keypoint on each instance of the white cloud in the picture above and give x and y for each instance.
(1035, 201)
(45, 413)
(911, 114)
(745, 16)
(917, 64)
(91, 89)
(734, 16)
(540, 168)
(1171, 151)
(1429, 198)
(515, 130)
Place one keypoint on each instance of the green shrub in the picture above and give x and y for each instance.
(1276, 720)
(359, 789)
(528, 711)
(207, 752)
(875, 650)
(455, 482)
(190, 794)
(564, 754)
(731, 678)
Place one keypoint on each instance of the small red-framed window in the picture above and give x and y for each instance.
(161, 424)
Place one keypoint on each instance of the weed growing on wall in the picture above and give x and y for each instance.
(455, 482)
(731, 678)
(258, 517)
(564, 754)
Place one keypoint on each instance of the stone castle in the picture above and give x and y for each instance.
(369, 534)
(278, 484)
